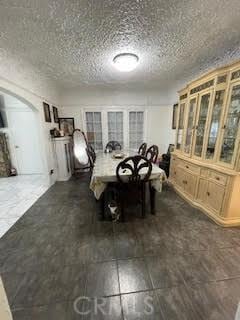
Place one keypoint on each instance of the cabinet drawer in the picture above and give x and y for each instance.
(191, 167)
(218, 177)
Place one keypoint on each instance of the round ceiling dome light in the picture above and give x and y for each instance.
(125, 62)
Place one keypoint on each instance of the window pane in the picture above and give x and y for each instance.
(135, 129)
(94, 129)
(97, 116)
(89, 116)
(89, 127)
(115, 126)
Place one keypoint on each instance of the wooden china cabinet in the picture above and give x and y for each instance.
(205, 166)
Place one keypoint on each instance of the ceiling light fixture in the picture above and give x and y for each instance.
(125, 62)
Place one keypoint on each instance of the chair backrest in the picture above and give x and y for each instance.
(152, 153)
(92, 152)
(91, 155)
(113, 145)
(142, 149)
(133, 166)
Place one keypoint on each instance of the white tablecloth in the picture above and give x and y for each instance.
(105, 171)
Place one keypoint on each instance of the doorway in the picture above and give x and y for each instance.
(25, 141)
(22, 129)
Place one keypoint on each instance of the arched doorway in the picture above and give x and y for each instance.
(21, 124)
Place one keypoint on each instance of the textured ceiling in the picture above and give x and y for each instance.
(74, 41)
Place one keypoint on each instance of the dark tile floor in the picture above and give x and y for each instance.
(175, 265)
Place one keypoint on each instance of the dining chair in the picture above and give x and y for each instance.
(132, 185)
(152, 153)
(113, 145)
(142, 149)
(166, 159)
(91, 155)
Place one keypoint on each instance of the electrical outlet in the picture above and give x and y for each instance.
(51, 171)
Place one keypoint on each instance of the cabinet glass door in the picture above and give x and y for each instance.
(180, 126)
(214, 124)
(201, 123)
(231, 126)
(190, 124)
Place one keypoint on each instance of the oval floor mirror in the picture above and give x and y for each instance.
(79, 148)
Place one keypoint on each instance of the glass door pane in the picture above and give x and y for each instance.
(94, 129)
(201, 124)
(115, 126)
(214, 124)
(180, 126)
(136, 127)
(190, 124)
(231, 127)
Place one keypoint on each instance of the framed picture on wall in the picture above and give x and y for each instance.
(47, 114)
(66, 125)
(174, 117)
(55, 114)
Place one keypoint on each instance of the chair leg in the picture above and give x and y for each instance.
(102, 206)
(152, 198)
(143, 200)
(122, 211)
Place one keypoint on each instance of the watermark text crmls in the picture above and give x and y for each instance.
(84, 305)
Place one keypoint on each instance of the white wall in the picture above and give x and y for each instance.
(159, 127)
(97, 96)
(159, 115)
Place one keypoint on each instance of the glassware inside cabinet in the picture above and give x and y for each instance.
(190, 124)
(231, 127)
(180, 125)
(202, 119)
(214, 124)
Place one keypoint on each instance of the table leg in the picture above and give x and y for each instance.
(152, 198)
(102, 206)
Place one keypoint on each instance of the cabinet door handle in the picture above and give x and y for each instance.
(208, 193)
(224, 127)
(187, 167)
(217, 178)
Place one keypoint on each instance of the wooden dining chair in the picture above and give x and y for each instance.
(152, 153)
(142, 149)
(113, 145)
(134, 183)
(91, 155)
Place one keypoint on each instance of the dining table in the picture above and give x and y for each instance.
(104, 172)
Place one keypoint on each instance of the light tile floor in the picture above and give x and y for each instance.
(17, 195)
